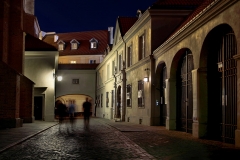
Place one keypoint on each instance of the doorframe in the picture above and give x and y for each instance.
(43, 106)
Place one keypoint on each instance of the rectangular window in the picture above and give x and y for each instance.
(140, 94)
(113, 67)
(93, 44)
(92, 61)
(129, 95)
(75, 81)
(129, 56)
(74, 45)
(107, 99)
(73, 62)
(108, 71)
(141, 54)
(120, 63)
(60, 47)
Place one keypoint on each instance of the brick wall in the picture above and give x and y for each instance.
(9, 96)
(26, 99)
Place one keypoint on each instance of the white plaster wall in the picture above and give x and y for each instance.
(86, 84)
(39, 68)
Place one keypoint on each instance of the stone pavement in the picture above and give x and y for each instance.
(108, 140)
(13, 136)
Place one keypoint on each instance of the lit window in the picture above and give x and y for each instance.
(74, 44)
(60, 47)
(129, 95)
(73, 62)
(140, 94)
(93, 43)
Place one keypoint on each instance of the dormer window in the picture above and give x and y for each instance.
(74, 44)
(61, 45)
(93, 43)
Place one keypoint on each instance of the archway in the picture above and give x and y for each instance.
(160, 86)
(185, 92)
(78, 100)
(217, 54)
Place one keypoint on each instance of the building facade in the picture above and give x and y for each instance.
(191, 70)
(79, 55)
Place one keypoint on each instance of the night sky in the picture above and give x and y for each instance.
(63, 16)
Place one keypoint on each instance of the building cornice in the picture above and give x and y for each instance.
(138, 64)
(211, 11)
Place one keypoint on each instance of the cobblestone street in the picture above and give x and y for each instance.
(65, 142)
(118, 140)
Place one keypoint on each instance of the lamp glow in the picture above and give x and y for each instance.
(59, 78)
(145, 79)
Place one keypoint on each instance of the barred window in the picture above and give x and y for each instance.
(129, 95)
(107, 99)
(140, 94)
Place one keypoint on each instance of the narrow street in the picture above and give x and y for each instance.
(117, 140)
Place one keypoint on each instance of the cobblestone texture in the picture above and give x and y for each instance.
(174, 145)
(65, 142)
(103, 142)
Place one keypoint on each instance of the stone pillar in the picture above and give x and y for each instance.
(170, 100)
(200, 104)
(26, 100)
(10, 97)
(237, 131)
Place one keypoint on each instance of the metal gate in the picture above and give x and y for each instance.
(163, 108)
(185, 94)
(228, 82)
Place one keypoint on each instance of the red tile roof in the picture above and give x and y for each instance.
(83, 38)
(125, 23)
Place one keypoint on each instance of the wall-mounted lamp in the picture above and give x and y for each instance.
(146, 78)
(220, 66)
(59, 78)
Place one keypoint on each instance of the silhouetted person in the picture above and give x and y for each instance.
(61, 110)
(71, 111)
(86, 107)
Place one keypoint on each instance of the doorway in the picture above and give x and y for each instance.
(185, 93)
(38, 107)
(163, 106)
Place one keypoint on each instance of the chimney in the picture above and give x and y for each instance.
(110, 31)
(29, 6)
(55, 38)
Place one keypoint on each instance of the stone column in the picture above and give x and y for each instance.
(170, 99)
(200, 105)
(237, 131)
